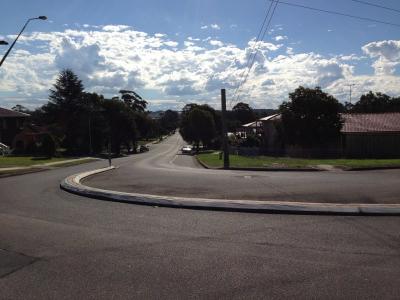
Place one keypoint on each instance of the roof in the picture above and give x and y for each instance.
(8, 113)
(271, 117)
(364, 123)
(253, 124)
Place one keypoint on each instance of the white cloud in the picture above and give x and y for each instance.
(387, 54)
(280, 38)
(216, 43)
(212, 26)
(188, 44)
(115, 27)
(195, 70)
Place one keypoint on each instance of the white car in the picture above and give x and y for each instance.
(4, 149)
(187, 149)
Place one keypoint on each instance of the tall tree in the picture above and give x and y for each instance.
(121, 124)
(311, 117)
(65, 109)
(133, 100)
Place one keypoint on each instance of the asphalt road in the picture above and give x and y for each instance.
(163, 171)
(56, 245)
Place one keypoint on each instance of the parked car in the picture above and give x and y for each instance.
(4, 149)
(143, 148)
(187, 149)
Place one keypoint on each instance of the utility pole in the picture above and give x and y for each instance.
(350, 86)
(225, 146)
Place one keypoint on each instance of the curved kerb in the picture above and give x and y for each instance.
(73, 184)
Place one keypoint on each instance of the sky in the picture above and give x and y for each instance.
(177, 52)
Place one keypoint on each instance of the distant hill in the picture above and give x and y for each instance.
(264, 112)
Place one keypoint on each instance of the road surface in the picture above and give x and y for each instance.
(56, 245)
(163, 171)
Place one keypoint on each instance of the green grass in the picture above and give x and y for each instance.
(25, 161)
(212, 160)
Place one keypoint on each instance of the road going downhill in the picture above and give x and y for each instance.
(56, 245)
(163, 171)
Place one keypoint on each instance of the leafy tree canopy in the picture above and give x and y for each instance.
(133, 100)
(198, 124)
(243, 113)
(311, 117)
(375, 103)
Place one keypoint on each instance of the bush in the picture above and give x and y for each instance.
(251, 141)
(48, 146)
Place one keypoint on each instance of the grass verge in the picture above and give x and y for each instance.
(26, 161)
(212, 160)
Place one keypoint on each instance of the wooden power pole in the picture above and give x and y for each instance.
(225, 145)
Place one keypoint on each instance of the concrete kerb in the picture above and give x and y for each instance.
(73, 184)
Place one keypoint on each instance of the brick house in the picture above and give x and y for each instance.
(11, 123)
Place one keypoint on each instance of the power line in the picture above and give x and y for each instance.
(249, 67)
(257, 39)
(376, 5)
(254, 46)
(337, 13)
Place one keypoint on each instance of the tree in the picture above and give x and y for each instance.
(21, 108)
(121, 125)
(311, 117)
(376, 103)
(65, 110)
(47, 146)
(243, 113)
(169, 121)
(133, 100)
(197, 126)
(93, 121)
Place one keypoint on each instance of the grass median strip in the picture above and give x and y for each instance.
(213, 160)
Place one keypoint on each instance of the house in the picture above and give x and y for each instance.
(362, 135)
(250, 128)
(371, 135)
(272, 141)
(29, 138)
(11, 123)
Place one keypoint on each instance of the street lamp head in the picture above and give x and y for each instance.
(42, 18)
(3, 43)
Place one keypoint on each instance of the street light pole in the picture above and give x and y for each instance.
(22, 30)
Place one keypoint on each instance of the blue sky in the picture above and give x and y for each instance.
(176, 52)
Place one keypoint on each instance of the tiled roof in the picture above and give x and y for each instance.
(7, 113)
(364, 123)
